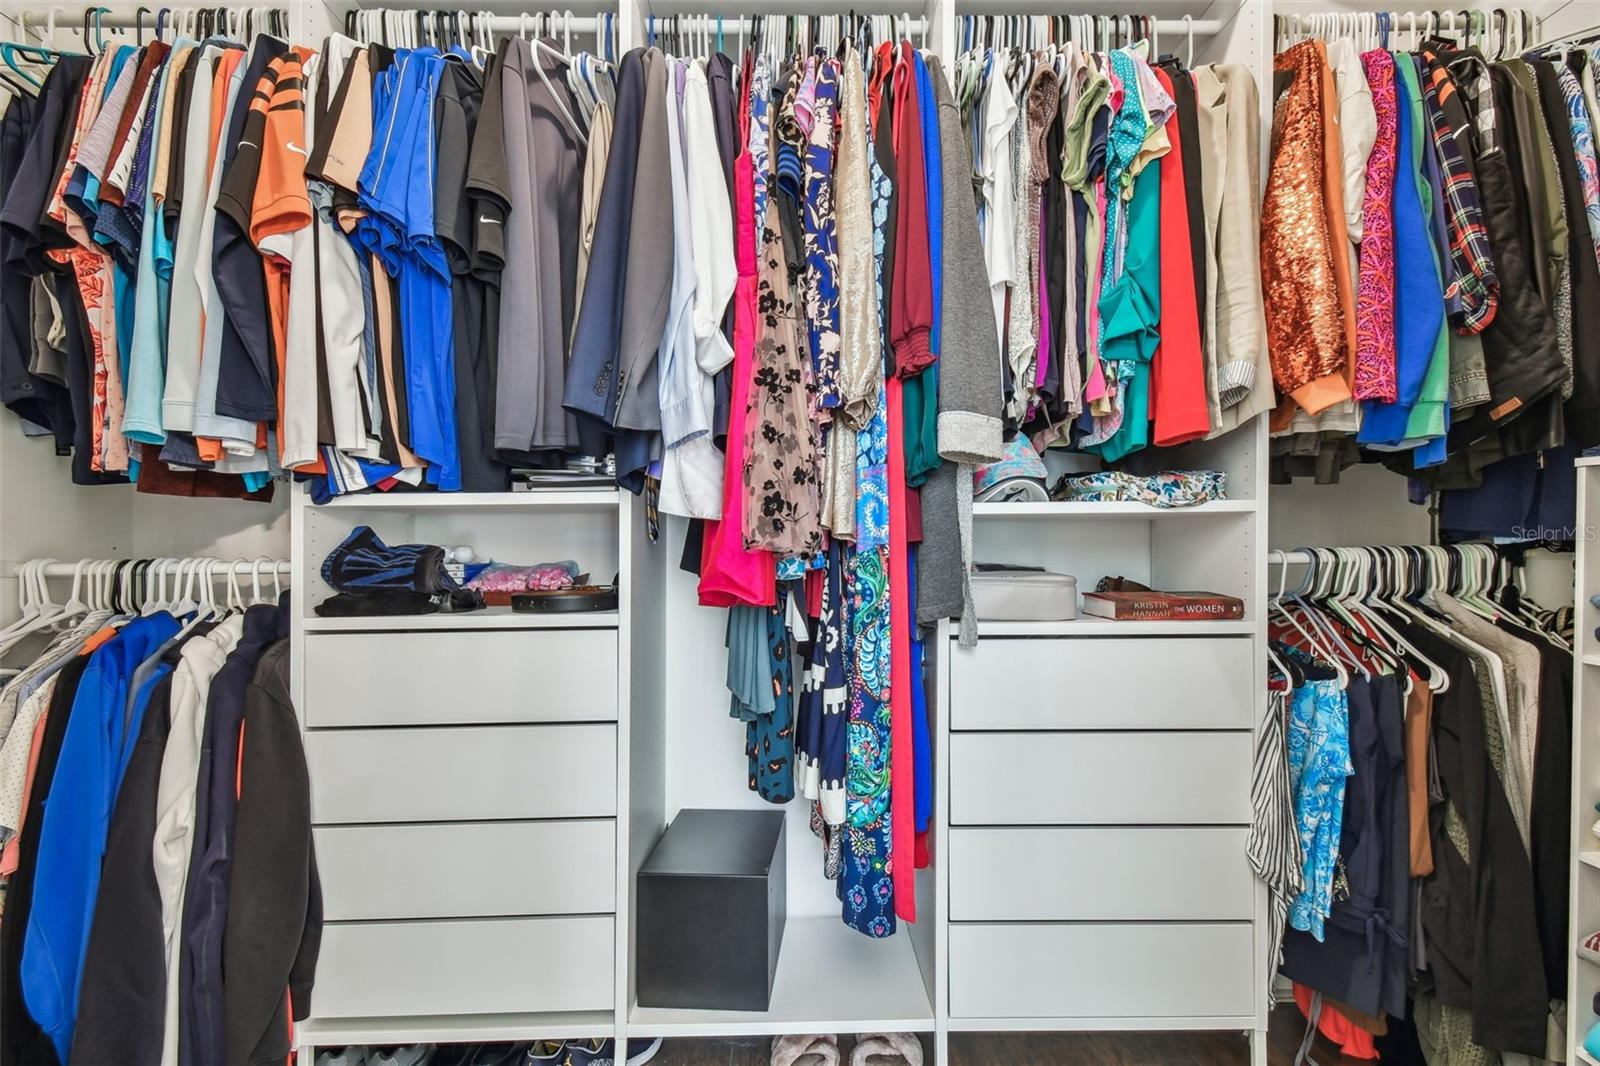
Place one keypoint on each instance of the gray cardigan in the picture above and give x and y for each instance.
(970, 395)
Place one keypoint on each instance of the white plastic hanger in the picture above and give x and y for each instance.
(27, 606)
(1322, 575)
(236, 596)
(1276, 606)
(1438, 680)
(46, 611)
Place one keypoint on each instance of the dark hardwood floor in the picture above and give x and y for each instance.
(1052, 1049)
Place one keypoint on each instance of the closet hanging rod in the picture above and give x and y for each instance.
(242, 567)
(38, 19)
(734, 23)
(1163, 27)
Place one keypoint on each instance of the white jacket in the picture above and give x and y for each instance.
(201, 658)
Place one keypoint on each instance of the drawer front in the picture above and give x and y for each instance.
(1100, 778)
(476, 869)
(357, 679)
(1103, 683)
(1122, 874)
(488, 966)
(444, 775)
(1100, 971)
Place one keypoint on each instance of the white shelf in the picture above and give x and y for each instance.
(1584, 1056)
(456, 1028)
(830, 979)
(1103, 627)
(550, 499)
(1590, 858)
(1587, 460)
(1089, 1024)
(488, 618)
(1069, 509)
(1592, 659)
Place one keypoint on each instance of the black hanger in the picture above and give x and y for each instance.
(141, 583)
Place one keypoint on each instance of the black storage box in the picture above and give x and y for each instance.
(711, 908)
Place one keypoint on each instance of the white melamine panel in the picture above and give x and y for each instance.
(1100, 778)
(465, 966)
(442, 775)
(1102, 684)
(1163, 969)
(434, 678)
(1120, 873)
(467, 870)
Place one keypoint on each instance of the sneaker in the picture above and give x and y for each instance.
(407, 1055)
(350, 1056)
(604, 1053)
(1589, 948)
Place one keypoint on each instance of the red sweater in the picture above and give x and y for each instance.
(911, 305)
(1177, 370)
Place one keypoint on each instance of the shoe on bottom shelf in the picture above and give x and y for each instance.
(1591, 1043)
(351, 1056)
(599, 1053)
(1589, 947)
(798, 1050)
(405, 1055)
(887, 1049)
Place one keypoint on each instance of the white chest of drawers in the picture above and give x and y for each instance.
(469, 782)
(1098, 807)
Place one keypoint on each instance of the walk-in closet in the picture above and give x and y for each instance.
(978, 532)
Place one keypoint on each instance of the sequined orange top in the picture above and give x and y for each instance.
(1307, 336)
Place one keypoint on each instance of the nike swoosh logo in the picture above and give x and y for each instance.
(249, 144)
(296, 148)
(488, 221)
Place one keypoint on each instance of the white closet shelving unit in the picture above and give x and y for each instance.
(517, 826)
(1583, 976)
(471, 782)
(1093, 776)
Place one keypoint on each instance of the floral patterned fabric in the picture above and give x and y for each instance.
(1374, 378)
(780, 476)
(872, 442)
(866, 889)
(865, 886)
(1176, 488)
(1319, 763)
(823, 700)
(821, 243)
(769, 737)
(1583, 146)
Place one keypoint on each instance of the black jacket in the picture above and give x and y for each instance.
(122, 1000)
(1478, 909)
(274, 921)
(206, 899)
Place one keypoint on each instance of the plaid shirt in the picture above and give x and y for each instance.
(1472, 290)
(1470, 72)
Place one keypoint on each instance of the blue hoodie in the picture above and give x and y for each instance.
(72, 838)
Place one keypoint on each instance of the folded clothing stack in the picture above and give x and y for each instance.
(370, 577)
(1173, 488)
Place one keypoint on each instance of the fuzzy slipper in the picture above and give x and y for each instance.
(805, 1050)
(887, 1049)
